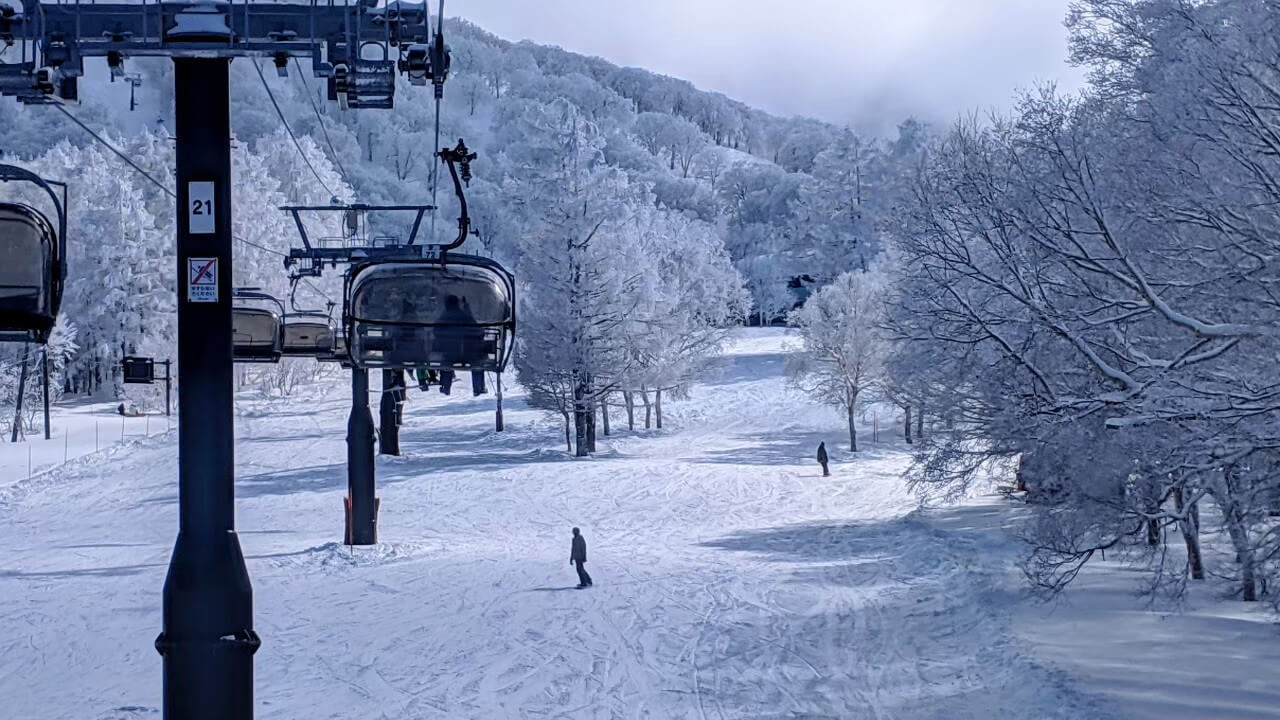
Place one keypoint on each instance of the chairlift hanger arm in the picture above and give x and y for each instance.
(459, 161)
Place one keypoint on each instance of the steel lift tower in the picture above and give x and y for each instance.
(208, 639)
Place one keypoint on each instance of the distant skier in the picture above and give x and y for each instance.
(578, 556)
(823, 460)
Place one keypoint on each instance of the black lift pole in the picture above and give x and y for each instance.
(389, 412)
(208, 639)
(362, 505)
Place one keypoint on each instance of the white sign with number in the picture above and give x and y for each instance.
(202, 280)
(200, 208)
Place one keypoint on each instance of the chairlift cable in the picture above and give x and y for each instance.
(288, 129)
(319, 117)
(117, 153)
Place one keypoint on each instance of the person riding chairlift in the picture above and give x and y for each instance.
(457, 338)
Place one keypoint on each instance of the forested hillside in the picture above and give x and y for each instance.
(674, 199)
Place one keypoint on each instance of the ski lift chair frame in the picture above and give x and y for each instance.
(308, 333)
(29, 245)
(263, 345)
(339, 352)
(383, 340)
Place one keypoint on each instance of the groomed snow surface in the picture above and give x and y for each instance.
(732, 580)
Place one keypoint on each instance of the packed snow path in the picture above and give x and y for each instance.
(732, 580)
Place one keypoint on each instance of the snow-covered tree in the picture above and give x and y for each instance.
(570, 349)
(842, 345)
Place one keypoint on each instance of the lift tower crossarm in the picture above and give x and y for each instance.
(56, 35)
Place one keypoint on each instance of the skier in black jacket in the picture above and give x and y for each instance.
(578, 556)
(822, 459)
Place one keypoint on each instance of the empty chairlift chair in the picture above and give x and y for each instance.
(256, 332)
(32, 263)
(308, 334)
(456, 315)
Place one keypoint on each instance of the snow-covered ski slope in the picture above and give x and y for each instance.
(732, 581)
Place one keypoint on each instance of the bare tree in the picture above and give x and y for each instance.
(843, 347)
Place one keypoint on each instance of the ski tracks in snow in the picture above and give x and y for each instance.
(731, 580)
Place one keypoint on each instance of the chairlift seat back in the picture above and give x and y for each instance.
(459, 315)
(256, 335)
(28, 274)
(308, 336)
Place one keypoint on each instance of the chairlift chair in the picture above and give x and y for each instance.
(257, 333)
(308, 334)
(453, 314)
(339, 352)
(32, 262)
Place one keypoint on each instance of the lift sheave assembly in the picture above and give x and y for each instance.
(32, 261)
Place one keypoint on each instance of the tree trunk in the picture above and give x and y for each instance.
(1153, 532)
(604, 413)
(907, 425)
(629, 398)
(1233, 516)
(657, 406)
(22, 391)
(920, 423)
(853, 431)
(591, 425)
(579, 421)
(648, 409)
(1244, 554)
(1190, 526)
(568, 441)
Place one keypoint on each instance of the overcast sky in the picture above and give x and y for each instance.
(866, 63)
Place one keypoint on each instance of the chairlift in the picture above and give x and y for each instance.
(32, 261)
(339, 352)
(308, 333)
(443, 314)
(257, 332)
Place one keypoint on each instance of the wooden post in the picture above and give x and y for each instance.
(44, 371)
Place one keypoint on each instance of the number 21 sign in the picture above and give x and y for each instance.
(200, 210)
